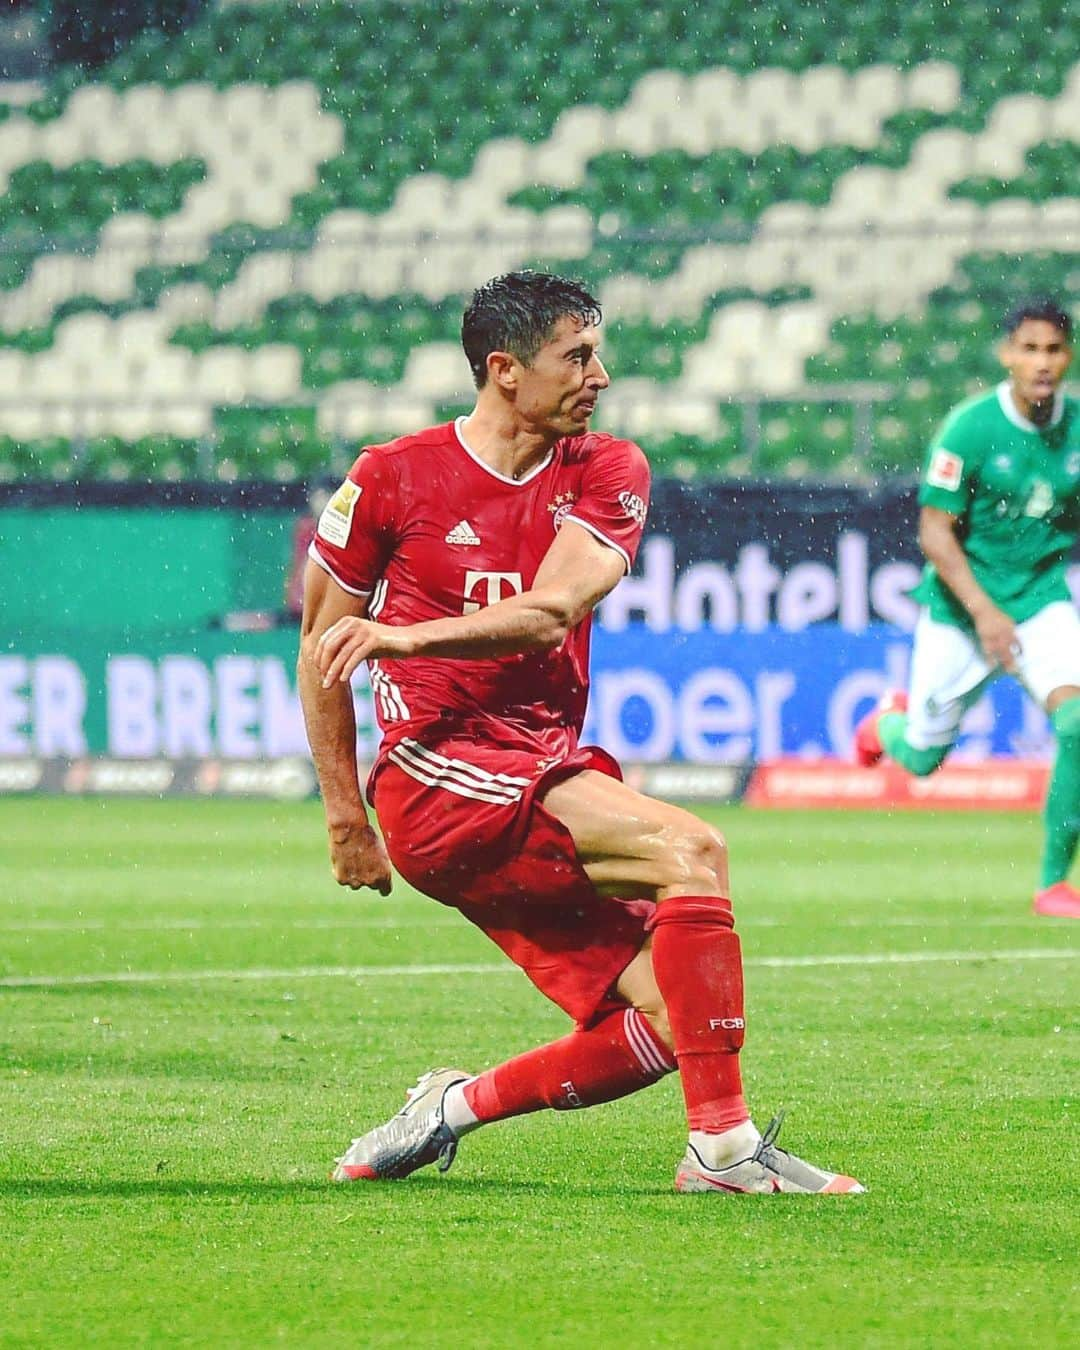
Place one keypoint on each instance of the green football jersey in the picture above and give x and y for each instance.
(1016, 490)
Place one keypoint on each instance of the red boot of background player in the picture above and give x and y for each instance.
(868, 747)
(1059, 901)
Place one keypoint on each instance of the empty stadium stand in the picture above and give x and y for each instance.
(239, 250)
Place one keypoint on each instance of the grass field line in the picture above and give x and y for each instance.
(434, 919)
(503, 968)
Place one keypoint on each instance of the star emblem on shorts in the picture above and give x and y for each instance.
(561, 499)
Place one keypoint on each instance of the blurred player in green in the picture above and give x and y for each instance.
(1000, 513)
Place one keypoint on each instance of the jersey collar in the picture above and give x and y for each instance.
(514, 482)
(1016, 417)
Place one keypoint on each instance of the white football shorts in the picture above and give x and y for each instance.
(949, 671)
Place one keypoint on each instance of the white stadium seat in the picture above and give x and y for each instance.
(132, 421)
(934, 85)
(194, 105)
(437, 371)
(144, 103)
(161, 373)
(85, 333)
(189, 420)
(274, 372)
(24, 421)
(504, 161)
(635, 129)
(111, 142)
(824, 87)
(220, 375)
(1061, 217)
(191, 302)
(878, 88)
(711, 368)
(13, 375)
(61, 143)
(659, 91)
(941, 157)
(297, 103)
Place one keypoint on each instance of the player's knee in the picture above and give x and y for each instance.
(698, 858)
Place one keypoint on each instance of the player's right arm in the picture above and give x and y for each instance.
(949, 483)
(357, 854)
(993, 627)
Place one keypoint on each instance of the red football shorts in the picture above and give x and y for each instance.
(462, 824)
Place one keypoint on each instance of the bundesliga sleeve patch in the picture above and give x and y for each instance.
(336, 519)
(945, 471)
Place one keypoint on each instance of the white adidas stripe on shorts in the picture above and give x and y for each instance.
(456, 775)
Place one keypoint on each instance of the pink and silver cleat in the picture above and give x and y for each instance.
(768, 1171)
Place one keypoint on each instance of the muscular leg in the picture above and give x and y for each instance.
(630, 844)
(614, 1055)
(684, 988)
(617, 1053)
(1062, 812)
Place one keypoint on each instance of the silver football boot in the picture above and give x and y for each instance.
(413, 1138)
(768, 1171)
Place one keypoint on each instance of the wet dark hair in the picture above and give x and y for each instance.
(517, 313)
(1037, 307)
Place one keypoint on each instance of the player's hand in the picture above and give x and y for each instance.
(358, 858)
(350, 641)
(997, 637)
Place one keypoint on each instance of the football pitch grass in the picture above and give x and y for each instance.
(194, 1019)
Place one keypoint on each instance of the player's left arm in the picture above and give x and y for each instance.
(577, 571)
(357, 854)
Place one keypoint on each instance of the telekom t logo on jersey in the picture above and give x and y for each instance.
(489, 588)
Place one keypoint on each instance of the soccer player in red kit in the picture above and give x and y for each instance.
(463, 564)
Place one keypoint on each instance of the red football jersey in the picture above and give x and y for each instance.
(427, 530)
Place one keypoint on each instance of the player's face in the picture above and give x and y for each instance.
(558, 392)
(1036, 355)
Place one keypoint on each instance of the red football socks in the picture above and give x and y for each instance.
(618, 1054)
(697, 961)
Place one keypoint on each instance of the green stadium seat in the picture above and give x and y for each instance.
(10, 457)
(51, 459)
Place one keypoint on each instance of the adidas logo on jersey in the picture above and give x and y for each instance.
(463, 533)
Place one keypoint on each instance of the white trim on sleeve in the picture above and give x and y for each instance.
(316, 557)
(601, 536)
